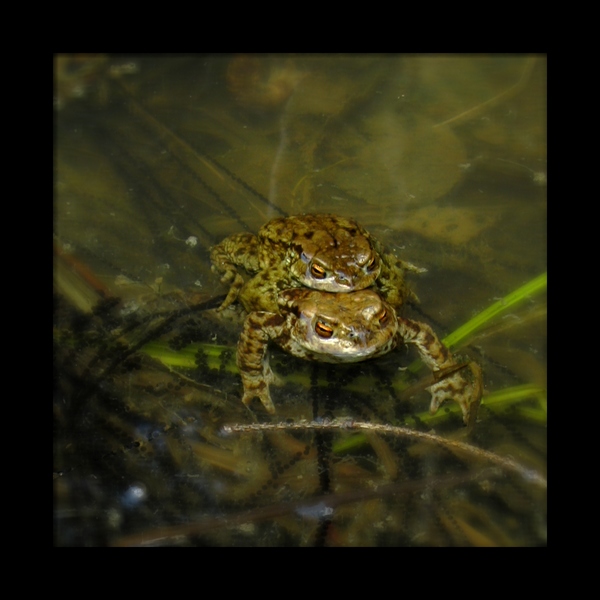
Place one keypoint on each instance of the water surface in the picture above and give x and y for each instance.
(443, 158)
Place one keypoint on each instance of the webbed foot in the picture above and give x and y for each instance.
(258, 387)
(464, 386)
(234, 289)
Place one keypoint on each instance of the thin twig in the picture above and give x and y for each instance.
(506, 463)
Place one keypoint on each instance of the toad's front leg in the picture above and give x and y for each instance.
(240, 249)
(392, 277)
(392, 282)
(464, 385)
(252, 357)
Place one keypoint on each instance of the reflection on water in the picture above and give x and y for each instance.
(443, 158)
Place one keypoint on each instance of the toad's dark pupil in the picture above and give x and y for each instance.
(317, 271)
(372, 264)
(323, 330)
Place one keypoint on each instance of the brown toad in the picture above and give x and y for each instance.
(319, 251)
(341, 328)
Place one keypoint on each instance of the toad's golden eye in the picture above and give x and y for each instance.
(317, 271)
(372, 264)
(383, 317)
(323, 330)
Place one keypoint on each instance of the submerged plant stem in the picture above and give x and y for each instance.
(478, 110)
(349, 424)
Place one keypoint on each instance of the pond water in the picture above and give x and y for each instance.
(157, 159)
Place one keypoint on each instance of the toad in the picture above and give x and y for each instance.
(319, 251)
(342, 328)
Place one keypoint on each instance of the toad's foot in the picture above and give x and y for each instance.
(464, 386)
(234, 289)
(257, 386)
(236, 250)
(410, 267)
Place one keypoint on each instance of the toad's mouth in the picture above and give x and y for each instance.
(355, 348)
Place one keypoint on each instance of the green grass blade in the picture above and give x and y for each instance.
(535, 286)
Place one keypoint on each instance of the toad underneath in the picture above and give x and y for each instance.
(342, 328)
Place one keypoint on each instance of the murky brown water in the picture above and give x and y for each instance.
(443, 158)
